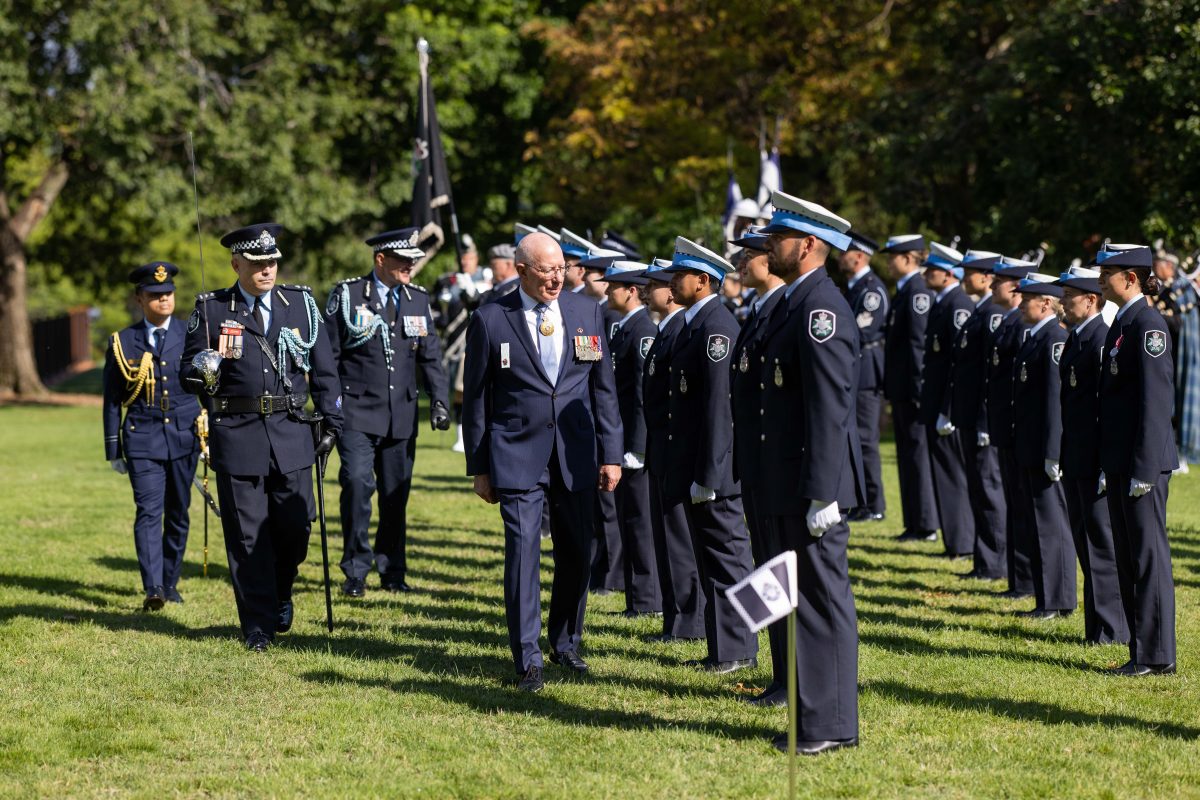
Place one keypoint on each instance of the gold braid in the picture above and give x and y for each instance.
(143, 377)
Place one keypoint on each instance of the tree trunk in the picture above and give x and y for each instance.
(18, 368)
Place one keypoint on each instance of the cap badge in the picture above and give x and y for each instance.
(160, 273)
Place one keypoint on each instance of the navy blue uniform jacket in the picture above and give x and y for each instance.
(243, 443)
(1037, 413)
(656, 387)
(374, 399)
(869, 303)
(1001, 348)
(162, 431)
(904, 346)
(745, 374)
(968, 404)
(514, 417)
(945, 319)
(1079, 374)
(630, 346)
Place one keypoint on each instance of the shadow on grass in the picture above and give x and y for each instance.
(190, 570)
(133, 620)
(909, 645)
(1026, 710)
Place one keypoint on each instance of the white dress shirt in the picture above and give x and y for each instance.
(549, 347)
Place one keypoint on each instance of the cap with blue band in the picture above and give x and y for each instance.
(793, 215)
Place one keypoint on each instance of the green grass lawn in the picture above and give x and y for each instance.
(411, 696)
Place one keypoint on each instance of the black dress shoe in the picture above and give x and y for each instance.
(917, 536)
(531, 681)
(173, 595)
(1131, 670)
(569, 659)
(666, 638)
(284, 623)
(977, 575)
(630, 613)
(354, 587)
(258, 642)
(725, 667)
(1043, 614)
(858, 515)
(394, 585)
(154, 599)
(1014, 594)
(774, 695)
(813, 747)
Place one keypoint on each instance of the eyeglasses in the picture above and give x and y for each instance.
(546, 273)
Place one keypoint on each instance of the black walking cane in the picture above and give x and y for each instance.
(321, 461)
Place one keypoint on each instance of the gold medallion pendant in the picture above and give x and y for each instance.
(778, 376)
(547, 328)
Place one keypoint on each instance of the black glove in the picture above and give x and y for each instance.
(439, 417)
(325, 446)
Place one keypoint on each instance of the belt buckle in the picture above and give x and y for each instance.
(264, 405)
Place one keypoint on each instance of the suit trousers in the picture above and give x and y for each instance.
(162, 493)
(722, 550)
(266, 520)
(917, 502)
(642, 594)
(1139, 526)
(573, 530)
(870, 408)
(1103, 614)
(1053, 549)
(990, 510)
(826, 631)
(765, 545)
(678, 576)
(371, 462)
(608, 563)
(1019, 529)
(949, 470)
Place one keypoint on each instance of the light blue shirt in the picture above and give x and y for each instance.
(1033, 331)
(796, 283)
(1085, 323)
(983, 300)
(937, 298)
(150, 331)
(691, 313)
(762, 298)
(1140, 298)
(662, 323)
(857, 277)
(905, 279)
(382, 291)
(266, 301)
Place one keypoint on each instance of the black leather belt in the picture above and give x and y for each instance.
(266, 404)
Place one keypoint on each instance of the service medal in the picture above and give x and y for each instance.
(682, 383)
(744, 362)
(1112, 367)
(1074, 382)
(962, 343)
(937, 345)
(1024, 374)
(651, 369)
(995, 356)
(546, 328)
(778, 376)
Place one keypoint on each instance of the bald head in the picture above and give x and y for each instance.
(541, 266)
(537, 249)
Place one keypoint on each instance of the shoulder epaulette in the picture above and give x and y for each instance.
(296, 287)
(418, 288)
(355, 279)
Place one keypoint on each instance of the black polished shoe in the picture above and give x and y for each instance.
(774, 695)
(1132, 670)
(725, 667)
(394, 585)
(569, 659)
(1014, 594)
(813, 747)
(354, 587)
(154, 599)
(173, 596)
(1043, 614)
(859, 514)
(284, 622)
(666, 638)
(258, 642)
(917, 536)
(531, 681)
(630, 613)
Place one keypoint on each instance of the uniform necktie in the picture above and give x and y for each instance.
(389, 308)
(545, 343)
(160, 338)
(258, 314)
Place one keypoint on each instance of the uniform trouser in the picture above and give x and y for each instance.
(985, 487)
(949, 469)
(917, 502)
(1053, 553)
(722, 549)
(826, 631)
(370, 462)
(1103, 614)
(1139, 527)
(162, 492)
(765, 545)
(574, 516)
(1019, 529)
(266, 520)
(678, 575)
(870, 407)
(608, 564)
(637, 542)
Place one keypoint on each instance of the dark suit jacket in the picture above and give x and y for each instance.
(745, 374)
(868, 301)
(629, 349)
(164, 430)
(968, 373)
(945, 318)
(1079, 376)
(1037, 413)
(1001, 349)
(904, 345)
(656, 387)
(514, 418)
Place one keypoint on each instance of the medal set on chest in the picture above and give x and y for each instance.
(587, 348)
(229, 345)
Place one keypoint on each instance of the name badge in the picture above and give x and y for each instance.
(587, 348)
(505, 361)
(229, 345)
(415, 326)
(363, 317)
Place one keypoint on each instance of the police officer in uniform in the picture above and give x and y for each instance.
(678, 576)
(1037, 443)
(868, 299)
(156, 442)
(254, 353)
(746, 400)
(1138, 453)
(700, 450)
(968, 413)
(811, 463)
(1079, 373)
(381, 332)
(903, 363)
(951, 310)
(629, 345)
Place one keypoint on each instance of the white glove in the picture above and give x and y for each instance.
(118, 465)
(944, 426)
(822, 516)
(466, 283)
(983, 440)
(702, 494)
(1102, 486)
(633, 460)
(1138, 488)
(1053, 470)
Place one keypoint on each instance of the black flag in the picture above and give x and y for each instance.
(431, 186)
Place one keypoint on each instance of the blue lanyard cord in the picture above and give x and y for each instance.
(358, 335)
(291, 344)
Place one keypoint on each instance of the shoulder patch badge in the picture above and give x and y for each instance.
(194, 321)
(1155, 343)
(644, 345)
(822, 324)
(718, 346)
(1056, 351)
(960, 317)
(871, 301)
(332, 306)
(994, 321)
(921, 303)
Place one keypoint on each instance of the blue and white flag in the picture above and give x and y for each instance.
(768, 594)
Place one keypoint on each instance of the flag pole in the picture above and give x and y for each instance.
(791, 692)
(423, 64)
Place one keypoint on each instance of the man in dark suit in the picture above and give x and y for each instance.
(811, 463)
(632, 340)
(868, 299)
(156, 442)
(700, 451)
(951, 310)
(541, 421)
(903, 362)
(745, 397)
(1079, 373)
(271, 353)
(381, 333)
(678, 576)
(968, 413)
